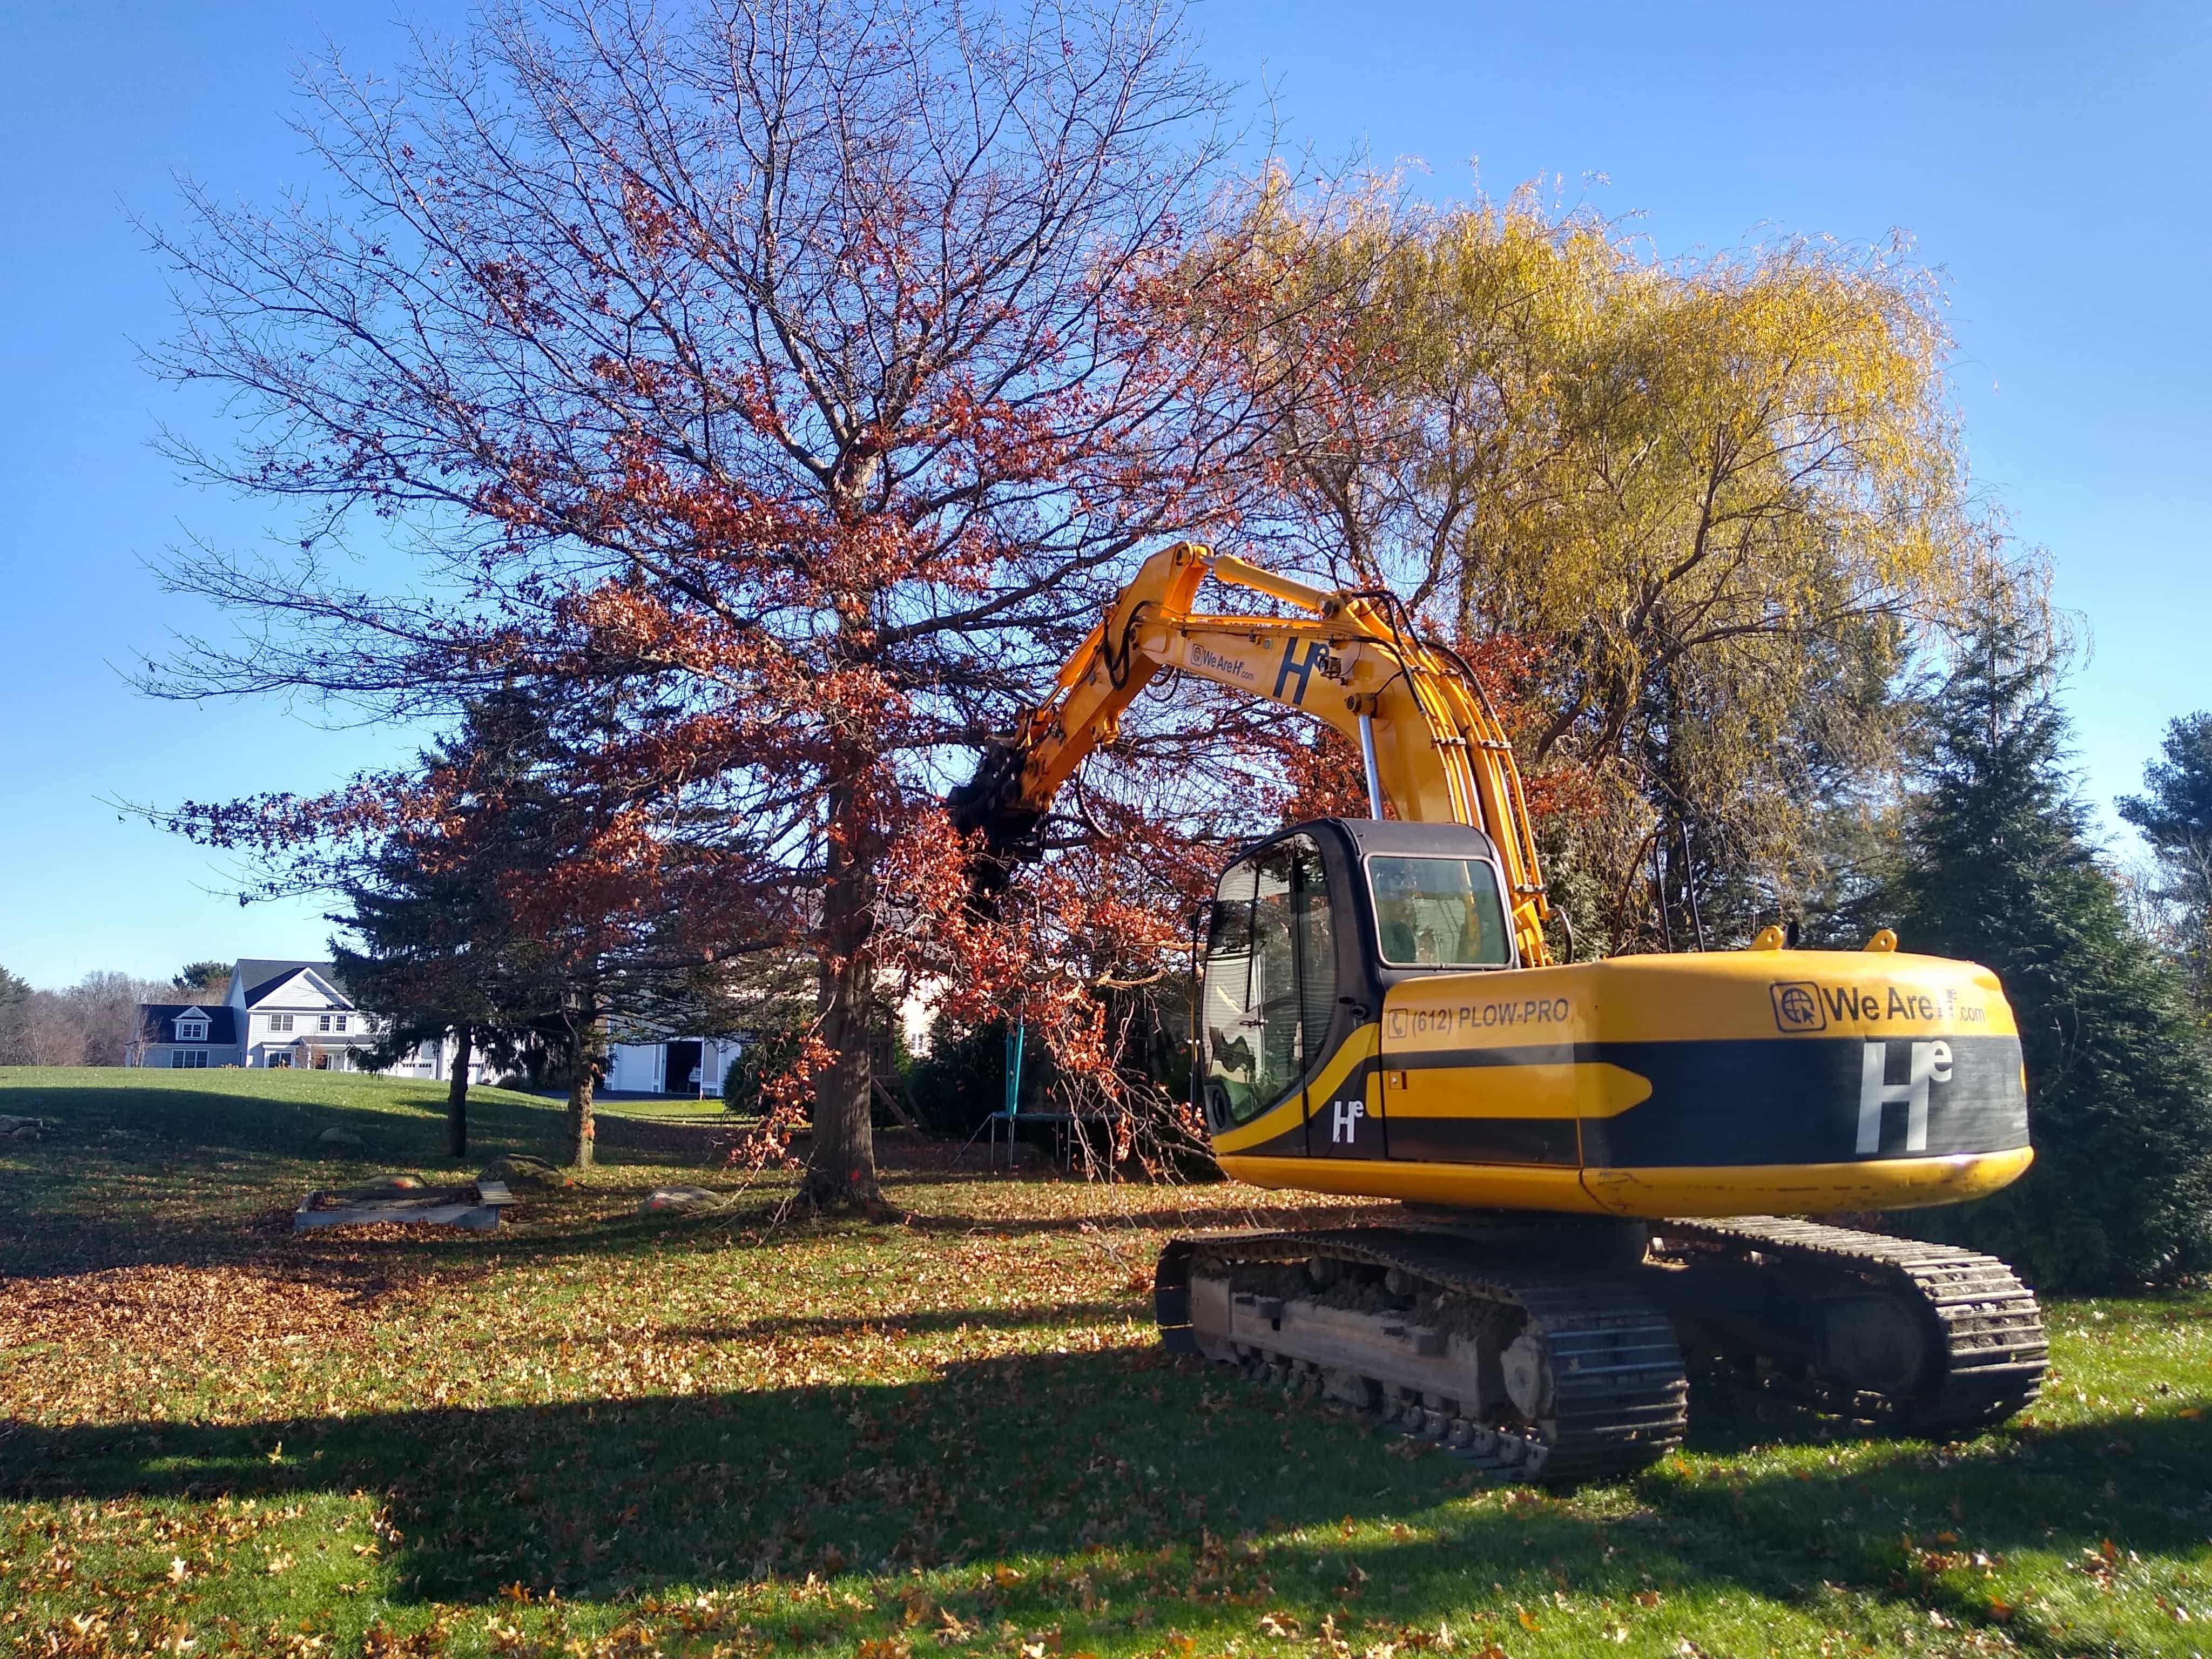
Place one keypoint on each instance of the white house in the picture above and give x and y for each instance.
(277, 1014)
(679, 1065)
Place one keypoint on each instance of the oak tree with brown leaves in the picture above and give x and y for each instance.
(797, 380)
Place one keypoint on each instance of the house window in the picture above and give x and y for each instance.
(280, 1062)
(184, 1060)
(280, 1022)
(192, 1031)
(334, 1022)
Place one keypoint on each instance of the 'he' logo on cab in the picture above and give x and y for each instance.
(1344, 1122)
(1797, 1006)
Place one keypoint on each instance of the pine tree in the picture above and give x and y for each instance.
(442, 948)
(509, 900)
(15, 1015)
(2175, 814)
(432, 937)
(1996, 868)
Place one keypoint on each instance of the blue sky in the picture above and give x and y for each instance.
(2052, 160)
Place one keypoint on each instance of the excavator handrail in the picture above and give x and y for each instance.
(1431, 741)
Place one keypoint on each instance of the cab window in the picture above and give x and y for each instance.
(1439, 912)
(1270, 985)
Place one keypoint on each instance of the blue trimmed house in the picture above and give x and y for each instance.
(275, 1014)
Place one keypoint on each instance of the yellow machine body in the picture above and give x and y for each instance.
(1382, 1014)
(1784, 1082)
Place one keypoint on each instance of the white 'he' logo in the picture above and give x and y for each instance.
(1931, 1063)
(1344, 1122)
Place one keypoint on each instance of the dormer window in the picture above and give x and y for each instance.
(192, 1031)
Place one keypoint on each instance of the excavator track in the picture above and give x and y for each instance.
(1556, 1374)
(1923, 1338)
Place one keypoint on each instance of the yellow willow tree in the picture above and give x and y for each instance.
(1709, 503)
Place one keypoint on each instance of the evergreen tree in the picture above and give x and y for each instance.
(509, 903)
(443, 951)
(15, 1019)
(435, 960)
(210, 980)
(2175, 817)
(1996, 868)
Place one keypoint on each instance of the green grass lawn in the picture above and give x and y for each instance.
(601, 1433)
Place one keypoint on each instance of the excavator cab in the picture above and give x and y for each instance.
(1306, 932)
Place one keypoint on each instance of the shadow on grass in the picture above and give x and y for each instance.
(1929, 1525)
(1047, 1455)
(1040, 1452)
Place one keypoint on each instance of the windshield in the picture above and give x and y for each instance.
(1439, 912)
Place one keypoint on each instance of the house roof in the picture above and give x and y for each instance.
(262, 977)
(158, 1021)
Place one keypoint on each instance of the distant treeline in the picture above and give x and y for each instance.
(95, 1021)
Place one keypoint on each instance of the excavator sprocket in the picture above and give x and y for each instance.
(1557, 1373)
(1924, 1338)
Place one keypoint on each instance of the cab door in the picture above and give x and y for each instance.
(1269, 998)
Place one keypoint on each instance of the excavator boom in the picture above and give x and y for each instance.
(1431, 743)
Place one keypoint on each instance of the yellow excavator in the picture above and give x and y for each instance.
(1595, 1160)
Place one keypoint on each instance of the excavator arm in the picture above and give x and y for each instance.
(1430, 744)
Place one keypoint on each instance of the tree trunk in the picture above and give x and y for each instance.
(841, 1174)
(457, 1093)
(583, 1135)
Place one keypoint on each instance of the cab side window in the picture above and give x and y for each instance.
(1439, 912)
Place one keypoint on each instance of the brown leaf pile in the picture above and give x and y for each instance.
(211, 1313)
